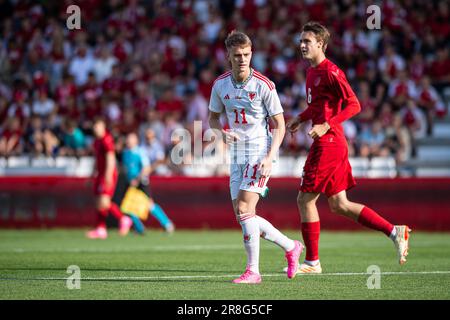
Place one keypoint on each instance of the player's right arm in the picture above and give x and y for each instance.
(214, 123)
(216, 108)
(294, 124)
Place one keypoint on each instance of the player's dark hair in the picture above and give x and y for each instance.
(99, 119)
(237, 39)
(320, 31)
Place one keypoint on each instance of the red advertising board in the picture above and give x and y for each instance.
(424, 204)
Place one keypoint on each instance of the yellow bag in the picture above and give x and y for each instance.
(135, 202)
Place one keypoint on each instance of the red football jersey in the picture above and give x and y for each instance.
(101, 147)
(326, 90)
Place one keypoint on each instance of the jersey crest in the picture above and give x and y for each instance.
(317, 81)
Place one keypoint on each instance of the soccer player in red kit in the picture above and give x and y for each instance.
(327, 170)
(105, 183)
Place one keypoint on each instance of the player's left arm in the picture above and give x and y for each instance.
(351, 106)
(110, 160)
(275, 111)
(343, 89)
(110, 165)
(277, 138)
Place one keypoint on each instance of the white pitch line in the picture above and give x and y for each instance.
(232, 276)
(118, 250)
(162, 248)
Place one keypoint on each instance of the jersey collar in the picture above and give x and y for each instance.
(241, 85)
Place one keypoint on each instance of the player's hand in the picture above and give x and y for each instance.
(319, 130)
(265, 167)
(229, 136)
(293, 124)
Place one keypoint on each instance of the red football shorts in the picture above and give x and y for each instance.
(327, 170)
(100, 187)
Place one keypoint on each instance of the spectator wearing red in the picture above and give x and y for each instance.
(10, 139)
(169, 103)
(67, 89)
(439, 69)
(429, 101)
(20, 109)
(115, 84)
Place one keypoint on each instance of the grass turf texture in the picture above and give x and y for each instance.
(201, 265)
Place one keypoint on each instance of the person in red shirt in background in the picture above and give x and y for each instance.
(327, 169)
(105, 181)
(10, 138)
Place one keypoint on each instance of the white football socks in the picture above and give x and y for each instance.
(312, 263)
(250, 231)
(269, 232)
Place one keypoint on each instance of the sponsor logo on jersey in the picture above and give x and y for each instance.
(227, 97)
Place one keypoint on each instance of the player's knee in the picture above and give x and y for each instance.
(243, 212)
(338, 206)
(103, 203)
(301, 200)
(304, 201)
(242, 208)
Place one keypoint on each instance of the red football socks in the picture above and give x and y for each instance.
(115, 211)
(101, 218)
(311, 234)
(373, 220)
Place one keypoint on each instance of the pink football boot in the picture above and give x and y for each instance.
(125, 225)
(292, 259)
(248, 277)
(98, 233)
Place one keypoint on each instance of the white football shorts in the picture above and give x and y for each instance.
(247, 176)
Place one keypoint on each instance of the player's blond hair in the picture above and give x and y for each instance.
(320, 31)
(237, 39)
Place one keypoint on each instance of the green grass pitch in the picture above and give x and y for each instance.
(201, 265)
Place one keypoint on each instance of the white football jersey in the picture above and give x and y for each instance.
(248, 107)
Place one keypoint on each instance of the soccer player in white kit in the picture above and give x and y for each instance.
(249, 99)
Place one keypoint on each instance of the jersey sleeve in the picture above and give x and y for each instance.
(272, 101)
(306, 115)
(340, 84)
(215, 104)
(344, 91)
(108, 143)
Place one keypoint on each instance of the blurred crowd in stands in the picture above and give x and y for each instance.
(148, 66)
